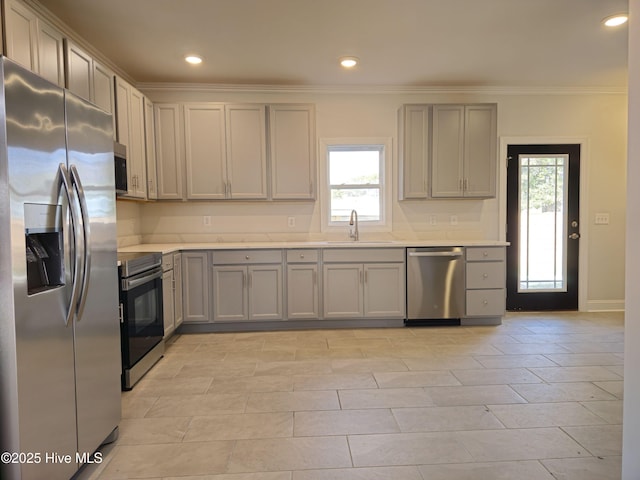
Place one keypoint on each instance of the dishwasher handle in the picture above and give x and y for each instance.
(435, 254)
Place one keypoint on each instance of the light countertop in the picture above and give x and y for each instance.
(174, 247)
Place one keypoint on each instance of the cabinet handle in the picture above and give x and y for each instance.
(485, 254)
(361, 276)
(244, 280)
(247, 257)
(485, 275)
(302, 255)
(366, 276)
(485, 302)
(315, 278)
(250, 279)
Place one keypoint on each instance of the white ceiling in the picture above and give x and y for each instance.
(501, 43)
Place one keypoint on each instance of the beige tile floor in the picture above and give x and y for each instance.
(537, 398)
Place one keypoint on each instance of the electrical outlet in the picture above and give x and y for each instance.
(291, 222)
(453, 220)
(433, 220)
(206, 220)
(602, 219)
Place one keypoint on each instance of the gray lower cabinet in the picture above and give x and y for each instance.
(195, 287)
(303, 289)
(247, 285)
(485, 281)
(364, 283)
(171, 292)
(168, 305)
(177, 289)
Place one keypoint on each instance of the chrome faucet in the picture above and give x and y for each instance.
(353, 222)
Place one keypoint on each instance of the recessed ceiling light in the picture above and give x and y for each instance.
(348, 62)
(616, 20)
(193, 59)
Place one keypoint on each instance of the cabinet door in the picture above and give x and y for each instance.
(384, 290)
(168, 307)
(150, 150)
(302, 291)
(79, 71)
(414, 151)
(170, 160)
(246, 151)
(103, 89)
(123, 99)
(480, 144)
(177, 288)
(265, 292)
(21, 35)
(342, 284)
(447, 151)
(230, 294)
(50, 53)
(292, 151)
(195, 290)
(136, 152)
(205, 151)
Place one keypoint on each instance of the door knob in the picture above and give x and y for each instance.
(574, 236)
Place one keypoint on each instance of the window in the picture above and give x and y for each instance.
(355, 177)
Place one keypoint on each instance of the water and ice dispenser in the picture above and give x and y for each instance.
(44, 247)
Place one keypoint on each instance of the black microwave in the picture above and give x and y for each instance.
(120, 159)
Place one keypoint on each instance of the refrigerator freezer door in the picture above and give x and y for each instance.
(97, 329)
(38, 394)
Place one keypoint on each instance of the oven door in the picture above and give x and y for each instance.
(142, 326)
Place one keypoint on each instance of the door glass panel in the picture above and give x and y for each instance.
(543, 217)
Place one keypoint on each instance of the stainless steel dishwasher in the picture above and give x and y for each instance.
(435, 285)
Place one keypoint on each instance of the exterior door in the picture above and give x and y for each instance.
(543, 193)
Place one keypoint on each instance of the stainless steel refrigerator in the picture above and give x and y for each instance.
(59, 325)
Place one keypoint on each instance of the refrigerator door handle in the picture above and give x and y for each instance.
(84, 212)
(65, 181)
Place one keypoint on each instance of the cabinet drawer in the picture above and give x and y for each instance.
(485, 303)
(240, 257)
(485, 275)
(167, 262)
(302, 256)
(358, 254)
(485, 254)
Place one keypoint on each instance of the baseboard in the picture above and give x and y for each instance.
(605, 306)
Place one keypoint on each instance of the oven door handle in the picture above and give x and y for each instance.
(131, 283)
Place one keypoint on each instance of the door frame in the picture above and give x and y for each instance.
(583, 254)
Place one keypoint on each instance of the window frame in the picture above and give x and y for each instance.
(384, 145)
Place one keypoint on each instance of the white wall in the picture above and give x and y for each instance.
(631, 423)
(599, 118)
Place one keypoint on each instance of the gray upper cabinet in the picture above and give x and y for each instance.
(150, 143)
(79, 71)
(447, 151)
(463, 151)
(413, 150)
(130, 105)
(90, 79)
(246, 151)
(34, 43)
(225, 151)
(205, 151)
(169, 152)
(292, 151)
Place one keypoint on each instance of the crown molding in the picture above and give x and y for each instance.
(378, 89)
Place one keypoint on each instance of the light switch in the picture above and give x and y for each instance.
(602, 219)
(291, 222)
